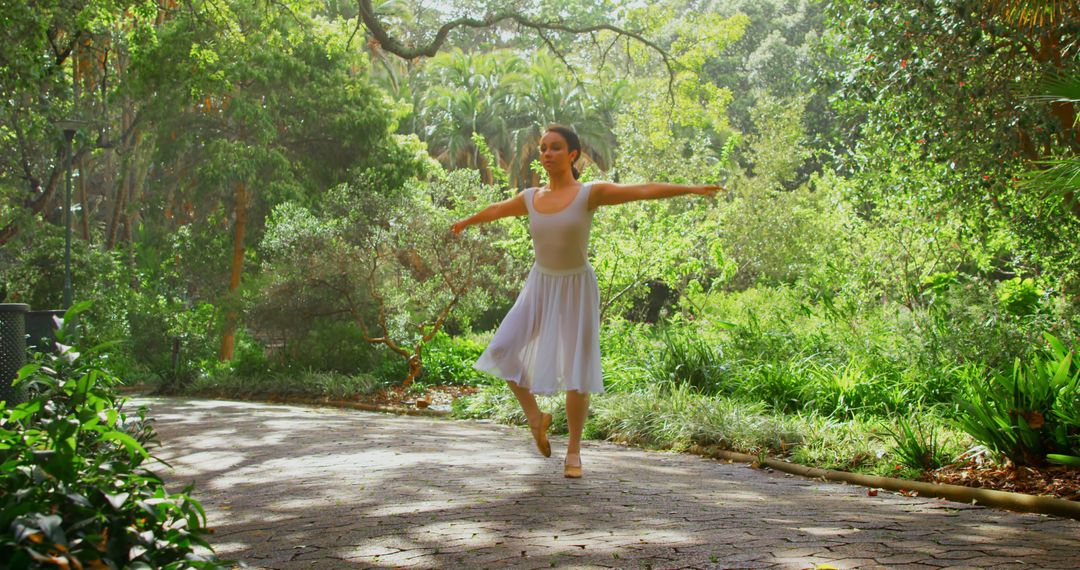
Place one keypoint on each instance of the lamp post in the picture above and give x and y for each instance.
(70, 127)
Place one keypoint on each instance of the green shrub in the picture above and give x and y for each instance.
(779, 382)
(169, 340)
(1019, 296)
(330, 346)
(249, 357)
(687, 359)
(75, 491)
(848, 390)
(310, 383)
(449, 360)
(627, 352)
(918, 444)
(1030, 411)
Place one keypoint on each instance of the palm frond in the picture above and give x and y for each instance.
(1059, 177)
(1058, 89)
(1036, 13)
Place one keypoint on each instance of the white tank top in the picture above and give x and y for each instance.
(561, 239)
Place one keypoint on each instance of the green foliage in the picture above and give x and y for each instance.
(448, 360)
(75, 489)
(1019, 296)
(413, 274)
(688, 361)
(35, 273)
(329, 346)
(1029, 412)
(275, 384)
(918, 444)
(929, 74)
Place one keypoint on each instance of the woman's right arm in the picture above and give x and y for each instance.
(510, 207)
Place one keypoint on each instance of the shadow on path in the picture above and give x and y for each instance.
(297, 487)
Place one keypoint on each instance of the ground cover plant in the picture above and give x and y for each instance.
(75, 486)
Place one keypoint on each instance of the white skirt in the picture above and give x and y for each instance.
(550, 340)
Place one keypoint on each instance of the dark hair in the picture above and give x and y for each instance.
(572, 143)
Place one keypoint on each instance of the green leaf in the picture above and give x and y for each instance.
(103, 347)
(1059, 88)
(133, 447)
(1056, 345)
(117, 500)
(1071, 460)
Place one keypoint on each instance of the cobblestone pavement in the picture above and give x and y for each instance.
(296, 487)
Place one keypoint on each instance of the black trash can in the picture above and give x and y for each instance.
(12, 350)
(41, 327)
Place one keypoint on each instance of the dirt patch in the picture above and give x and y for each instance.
(433, 397)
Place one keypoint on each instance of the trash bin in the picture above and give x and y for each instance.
(12, 349)
(41, 327)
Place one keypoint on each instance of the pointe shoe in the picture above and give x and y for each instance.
(572, 471)
(540, 435)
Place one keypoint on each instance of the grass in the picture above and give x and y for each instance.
(671, 416)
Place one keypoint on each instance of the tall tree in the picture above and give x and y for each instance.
(276, 113)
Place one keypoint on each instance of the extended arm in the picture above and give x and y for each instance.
(609, 193)
(510, 207)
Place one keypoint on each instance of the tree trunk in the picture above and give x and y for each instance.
(128, 166)
(117, 210)
(84, 203)
(78, 72)
(228, 339)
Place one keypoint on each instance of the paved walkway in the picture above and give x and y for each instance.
(296, 487)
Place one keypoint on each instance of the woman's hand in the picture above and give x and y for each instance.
(458, 226)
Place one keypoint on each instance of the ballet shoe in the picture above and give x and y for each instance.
(572, 471)
(540, 435)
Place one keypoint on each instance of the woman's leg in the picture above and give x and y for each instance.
(577, 408)
(528, 403)
(539, 422)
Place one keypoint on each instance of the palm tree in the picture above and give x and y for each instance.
(548, 96)
(509, 102)
(466, 94)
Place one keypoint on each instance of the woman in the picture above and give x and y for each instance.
(550, 339)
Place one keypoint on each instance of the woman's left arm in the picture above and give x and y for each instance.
(609, 193)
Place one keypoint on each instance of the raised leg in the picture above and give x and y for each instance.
(539, 422)
(528, 403)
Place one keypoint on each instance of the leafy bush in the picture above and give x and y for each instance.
(249, 357)
(1019, 296)
(330, 346)
(449, 360)
(308, 383)
(687, 359)
(169, 340)
(75, 491)
(1030, 412)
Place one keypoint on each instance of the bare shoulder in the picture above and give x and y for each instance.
(514, 205)
(600, 193)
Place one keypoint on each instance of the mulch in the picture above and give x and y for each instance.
(1053, 481)
(436, 397)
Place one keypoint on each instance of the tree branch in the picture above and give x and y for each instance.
(378, 31)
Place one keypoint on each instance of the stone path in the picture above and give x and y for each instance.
(295, 487)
